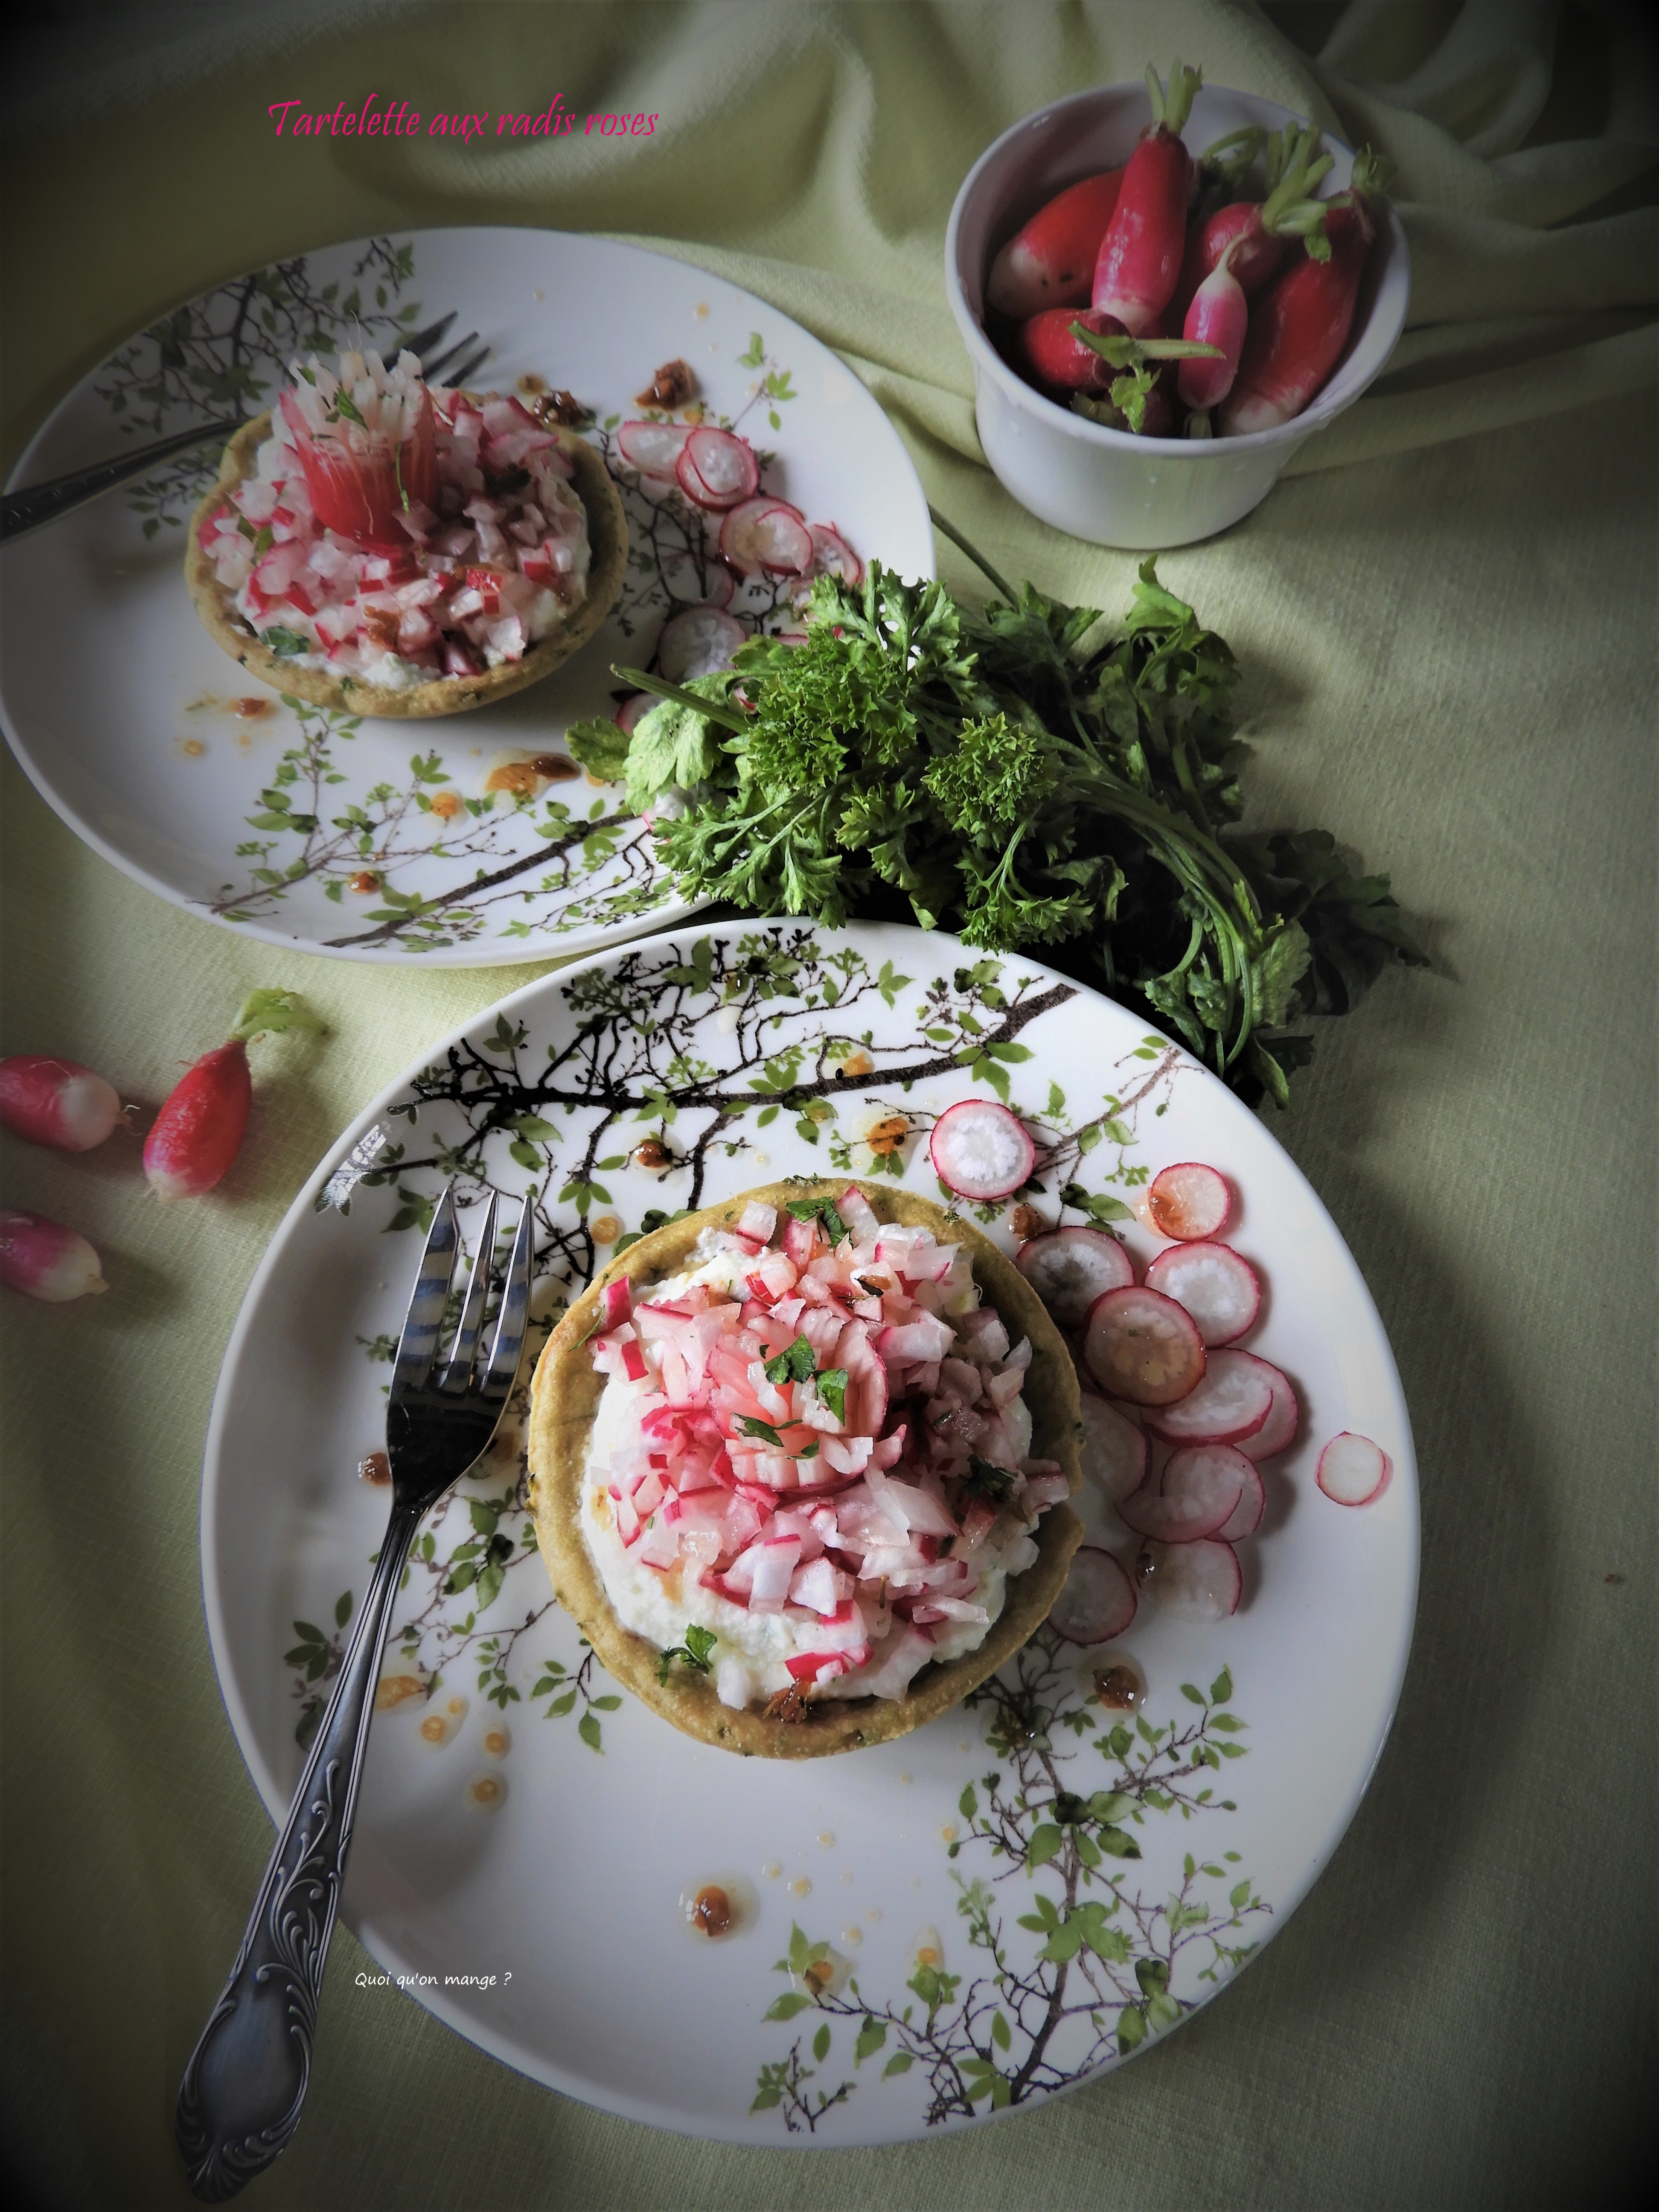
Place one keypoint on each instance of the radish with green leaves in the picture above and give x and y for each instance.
(1258, 231)
(1300, 325)
(199, 1130)
(1141, 254)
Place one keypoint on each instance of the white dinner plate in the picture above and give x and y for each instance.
(368, 840)
(556, 1887)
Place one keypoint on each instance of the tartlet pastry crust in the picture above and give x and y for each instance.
(565, 1396)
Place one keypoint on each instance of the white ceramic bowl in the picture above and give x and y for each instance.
(1106, 485)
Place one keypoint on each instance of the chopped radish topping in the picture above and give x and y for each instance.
(1353, 1470)
(1219, 1290)
(1069, 1268)
(57, 1102)
(1197, 1495)
(980, 1151)
(1113, 1450)
(1196, 1582)
(46, 1260)
(1140, 1345)
(1098, 1601)
(1231, 1400)
(1189, 1201)
(699, 641)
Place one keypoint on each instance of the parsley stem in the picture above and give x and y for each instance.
(949, 530)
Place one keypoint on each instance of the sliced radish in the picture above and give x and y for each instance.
(766, 534)
(1197, 1495)
(716, 469)
(1278, 1432)
(980, 1151)
(1189, 1201)
(1113, 1450)
(1219, 1290)
(698, 642)
(1140, 1345)
(1246, 1517)
(1196, 1582)
(652, 447)
(1353, 1470)
(1069, 1268)
(1231, 1400)
(703, 582)
(1098, 1601)
(657, 488)
(631, 710)
(833, 557)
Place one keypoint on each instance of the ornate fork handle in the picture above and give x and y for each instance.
(247, 2080)
(44, 502)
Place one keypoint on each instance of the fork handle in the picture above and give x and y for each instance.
(243, 2089)
(44, 502)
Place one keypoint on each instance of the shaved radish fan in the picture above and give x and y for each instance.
(847, 1518)
(400, 591)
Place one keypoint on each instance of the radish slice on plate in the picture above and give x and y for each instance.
(1196, 1582)
(1114, 1451)
(702, 583)
(698, 642)
(1189, 1201)
(1098, 1601)
(654, 448)
(833, 557)
(1140, 1345)
(1219, 1290)
(1278, 1432)
(980, 1151)
(766, 534)
(1197, 1495)
(1246, 1516)
(717, 470)
(1069, 1268)
(1353, 1470)
(631, 710)
(1231, 1400)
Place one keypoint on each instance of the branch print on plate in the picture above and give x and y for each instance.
(1010, 1900)
(481, 842)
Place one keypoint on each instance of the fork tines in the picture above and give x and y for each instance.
(417, 1347)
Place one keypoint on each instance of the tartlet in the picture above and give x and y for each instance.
(565, 1399)
(607, 529)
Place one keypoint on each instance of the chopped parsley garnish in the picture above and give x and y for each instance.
(285, 642)
(794, 1364)
(1013, 776)
(764, 1430)
(832, 1389)
(693, 1652)
(823, 1211)
(986, 1481)
(346, 405)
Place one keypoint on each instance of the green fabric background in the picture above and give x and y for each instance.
(1446, 616)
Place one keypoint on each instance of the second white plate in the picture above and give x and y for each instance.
(527, 1833)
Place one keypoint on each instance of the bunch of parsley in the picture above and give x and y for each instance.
(1004, 775)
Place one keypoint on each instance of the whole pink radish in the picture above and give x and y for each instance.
(199, 1130)
(1050, 262)
(1300, 325)
(1219, 316)
(57, 1102)
(1140, 255)
(1259, 230)
(44, 1260)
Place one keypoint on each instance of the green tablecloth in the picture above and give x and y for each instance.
(1446, 614)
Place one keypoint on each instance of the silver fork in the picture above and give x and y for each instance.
(243, 2089)
(20, 511)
